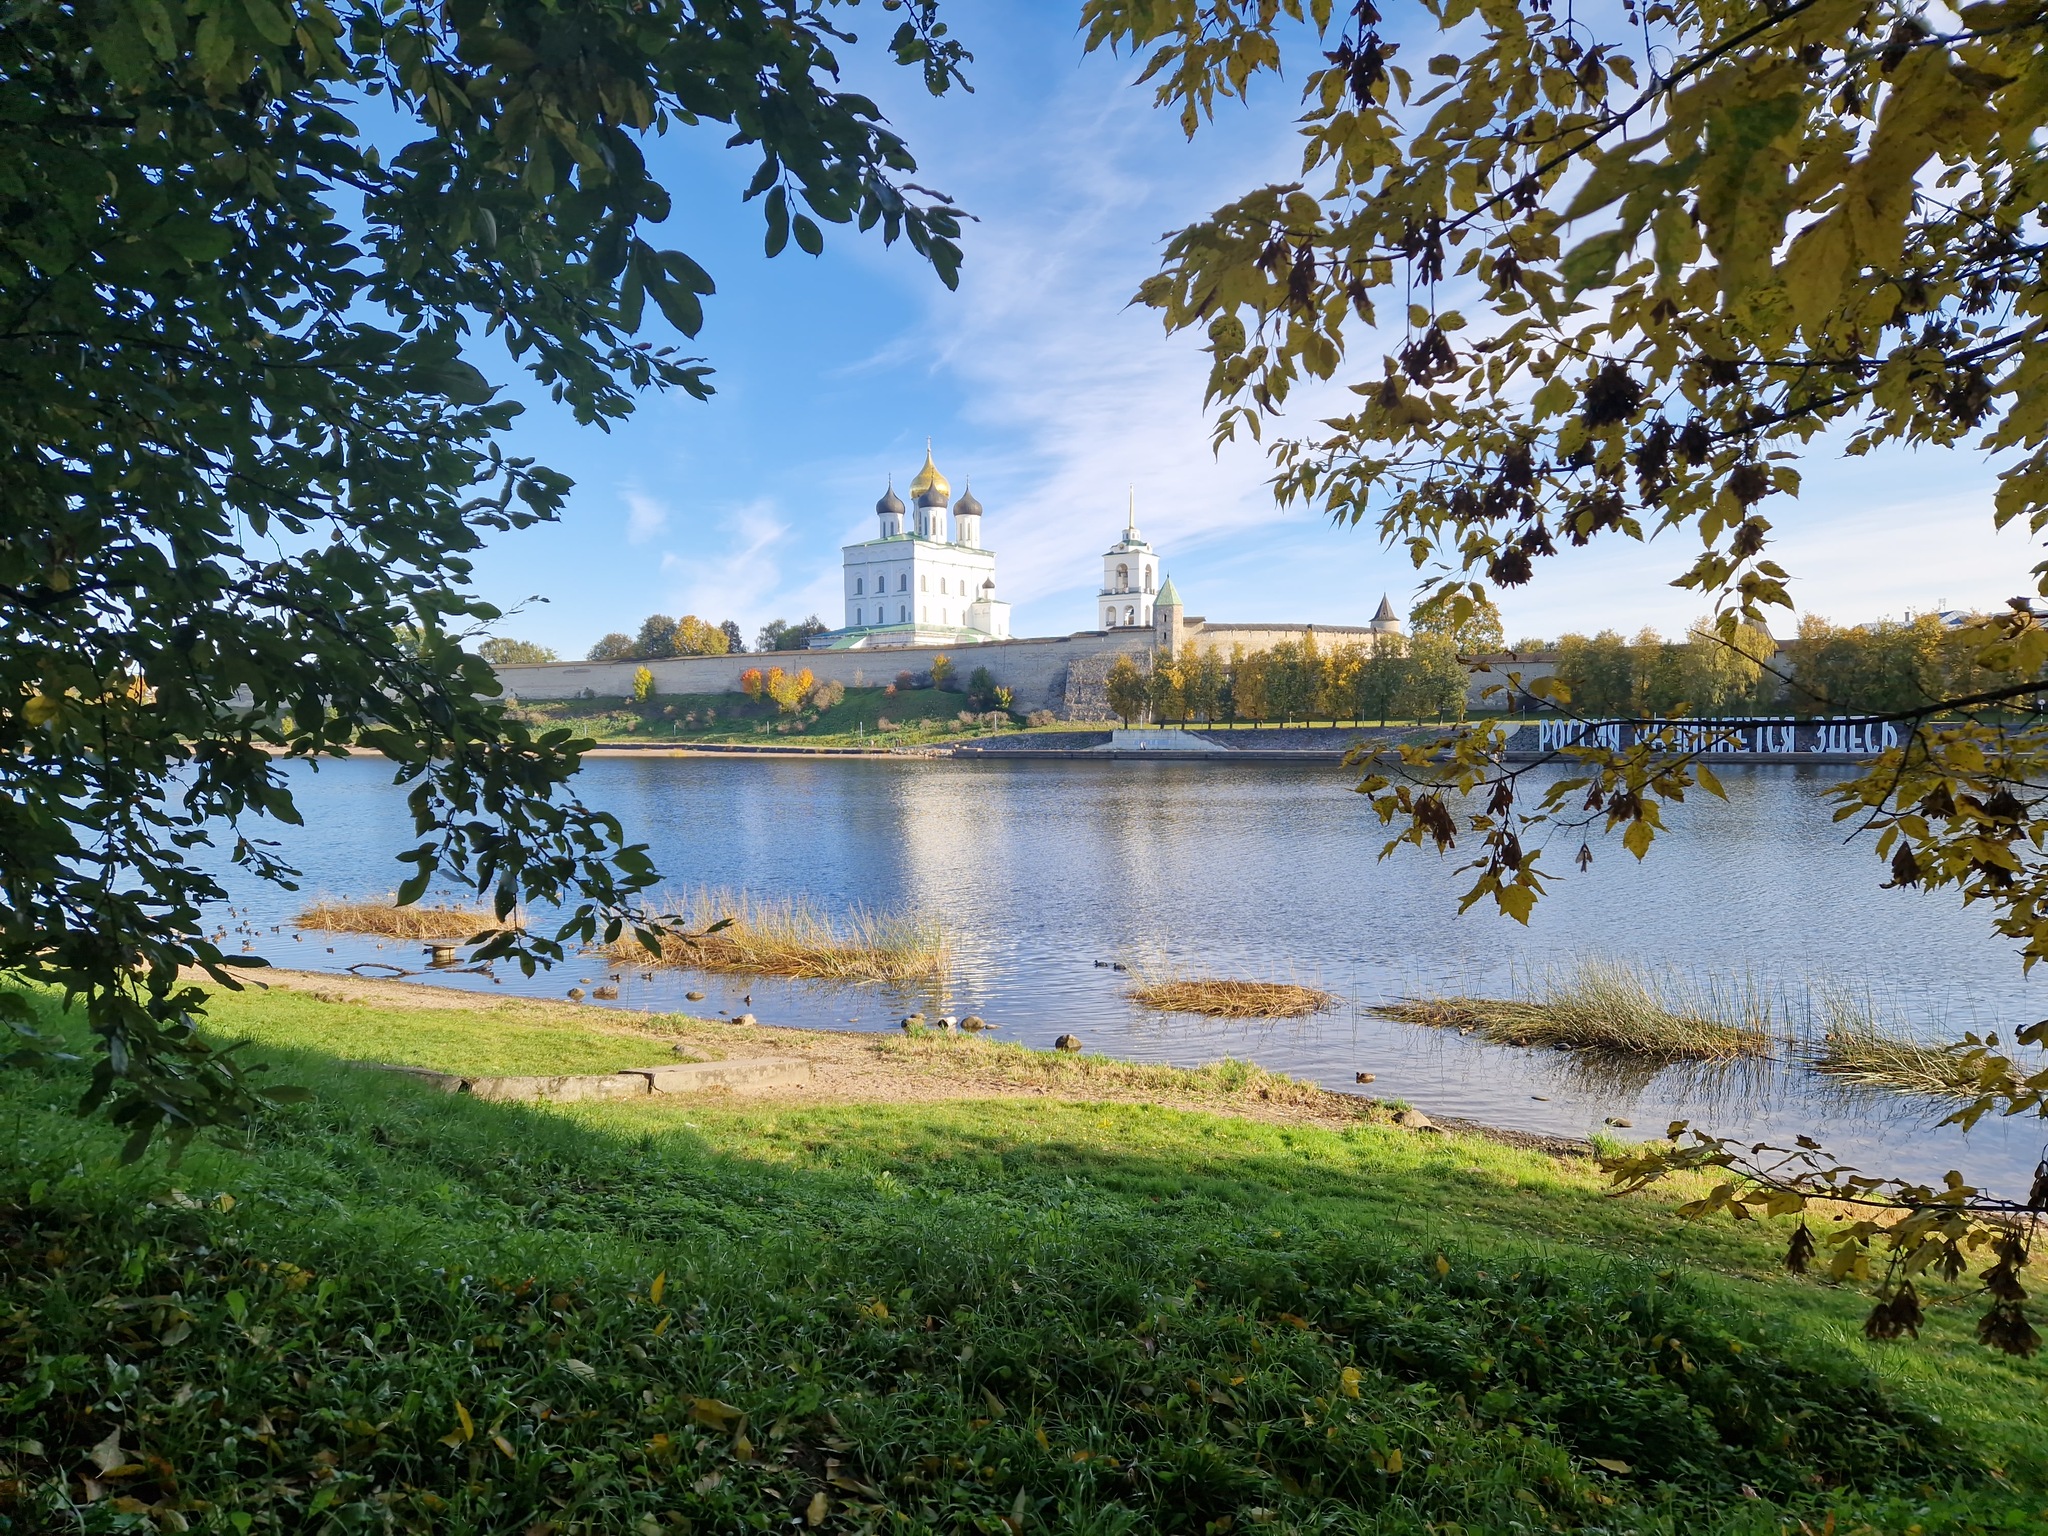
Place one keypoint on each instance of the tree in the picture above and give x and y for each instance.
(613, 647)
(657, 637)
(1792, 220)
(752, 683)
(780, 635)
(735, 642)
(695, 637)
(1473, 626)
(1164, 693)
(942, 671)
(1127, 689)
(501, 652)
(643, 685)
(242, 444)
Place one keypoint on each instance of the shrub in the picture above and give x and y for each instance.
(906, 680)
(884, 723)
(981, 688)
(643, 684)
(943, 673)
(1005, 700)
(1041, 717)
(827, 695)
(752, 683)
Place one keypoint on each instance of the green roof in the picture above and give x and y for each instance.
(1169, 596)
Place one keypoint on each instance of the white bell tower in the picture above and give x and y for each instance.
(1130, 578)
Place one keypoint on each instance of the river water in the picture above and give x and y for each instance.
(1038, 871)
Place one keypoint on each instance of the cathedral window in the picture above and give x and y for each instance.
(1148, 578)
(903, 581)
(856, 586)
(1123, 578)
(924, 583)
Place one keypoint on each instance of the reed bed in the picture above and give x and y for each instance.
(1875, 1057)
(389, 921)
(1223, 999)
(792, 938)
(1600, 1006)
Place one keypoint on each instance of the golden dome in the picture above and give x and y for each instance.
(929, 482)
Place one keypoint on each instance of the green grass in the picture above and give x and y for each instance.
(488, 1037)
(1600, 1006)
(917, 715)
(392, 1309)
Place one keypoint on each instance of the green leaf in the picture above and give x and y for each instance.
(809, 238)
(778, 221)
(1591, 263)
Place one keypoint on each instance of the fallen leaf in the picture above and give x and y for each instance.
(107, 1454)
(1611, 1465)
(1043, 1443)
(660, 1284)
(1349, 1379)
(742, 1447)
(814, 1512)
(504, 1445)
(582, 1370)
(464, 1430)
(713, 1414)
(1443, 1266)
(707, 1482)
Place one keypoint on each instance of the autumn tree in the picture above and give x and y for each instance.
(1472, 625)
(1688, 239)
(247, 454)
(613, 647)
(1127, 689)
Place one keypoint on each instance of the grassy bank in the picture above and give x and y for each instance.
(792, 938)
(392, 1309)
(1604, 1007)
(881, 716)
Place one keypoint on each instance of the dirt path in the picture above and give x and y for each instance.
(894, 1068)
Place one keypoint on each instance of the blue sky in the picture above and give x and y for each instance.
(1037, 381)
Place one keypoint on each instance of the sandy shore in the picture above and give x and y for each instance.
(884, 1067)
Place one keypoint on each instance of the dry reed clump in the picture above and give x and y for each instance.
(1605, 1008)
(1873, 1056)
(1232, 999)
(389, 921)
(792, 938)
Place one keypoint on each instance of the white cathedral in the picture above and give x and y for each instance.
(926, 579)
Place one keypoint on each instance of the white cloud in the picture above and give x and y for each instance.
(736, 570)
(645, 517)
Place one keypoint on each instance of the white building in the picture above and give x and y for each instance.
(926, 580)
(1130, 575)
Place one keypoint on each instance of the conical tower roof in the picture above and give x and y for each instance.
(1386, 611)
(1169, 596)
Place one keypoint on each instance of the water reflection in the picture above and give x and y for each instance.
(1272, 872)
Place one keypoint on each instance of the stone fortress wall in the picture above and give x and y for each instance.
(1065, 674)
(1035, 671)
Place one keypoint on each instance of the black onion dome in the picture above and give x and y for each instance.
(891, 505)
(968, 507)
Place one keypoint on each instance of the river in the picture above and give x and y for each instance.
(1039, 871)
